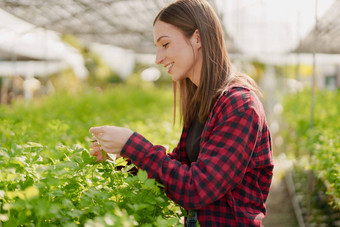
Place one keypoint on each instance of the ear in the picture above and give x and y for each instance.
(196, 39)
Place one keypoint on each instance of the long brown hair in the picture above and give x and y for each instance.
(216, 75)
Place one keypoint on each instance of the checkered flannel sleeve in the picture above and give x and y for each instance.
(222, 161)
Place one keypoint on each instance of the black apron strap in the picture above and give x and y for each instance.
(191, 219)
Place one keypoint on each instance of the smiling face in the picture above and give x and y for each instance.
(182, 56)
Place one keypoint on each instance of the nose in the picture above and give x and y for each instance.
(159, 57)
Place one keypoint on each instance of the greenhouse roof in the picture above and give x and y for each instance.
(325, 37)
(123, 23)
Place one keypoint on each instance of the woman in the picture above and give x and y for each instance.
(221, 169)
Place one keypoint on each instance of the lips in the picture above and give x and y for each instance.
(169, 66)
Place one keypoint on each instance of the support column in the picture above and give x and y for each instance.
(4, 90)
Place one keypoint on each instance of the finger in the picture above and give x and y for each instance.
(118, 156)
(96, 130)
(99, 137)
(93, 139)
(94, 144)
(110, 150)
(94, 151)
(100, 156)
(106, 149)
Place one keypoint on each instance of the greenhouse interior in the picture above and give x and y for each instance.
(69, 65)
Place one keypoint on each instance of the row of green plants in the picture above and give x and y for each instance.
(48, 178)
(313, 140)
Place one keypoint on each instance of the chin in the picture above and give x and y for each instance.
(177, 78)
(174, 78)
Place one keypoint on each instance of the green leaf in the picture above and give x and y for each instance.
(67, 203)
(32, 144)
(166, 222)
(120, 162)
(58, 193)
(70, 224)
(3, 153)
(31, 192)
(86, 157)
(149, 183)
(4, 217)
(142, 175)
(2, 194)
(14, 194)
(75, 213)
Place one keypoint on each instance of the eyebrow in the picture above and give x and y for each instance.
(161, 37)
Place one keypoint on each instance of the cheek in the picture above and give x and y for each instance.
(173, 52)
(183, 53)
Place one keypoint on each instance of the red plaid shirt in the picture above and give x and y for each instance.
(229, 183)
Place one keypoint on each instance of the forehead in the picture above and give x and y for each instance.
(162, 29)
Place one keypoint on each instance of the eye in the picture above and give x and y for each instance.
(165, 45)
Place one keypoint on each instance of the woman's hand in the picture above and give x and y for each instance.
(111, 139)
